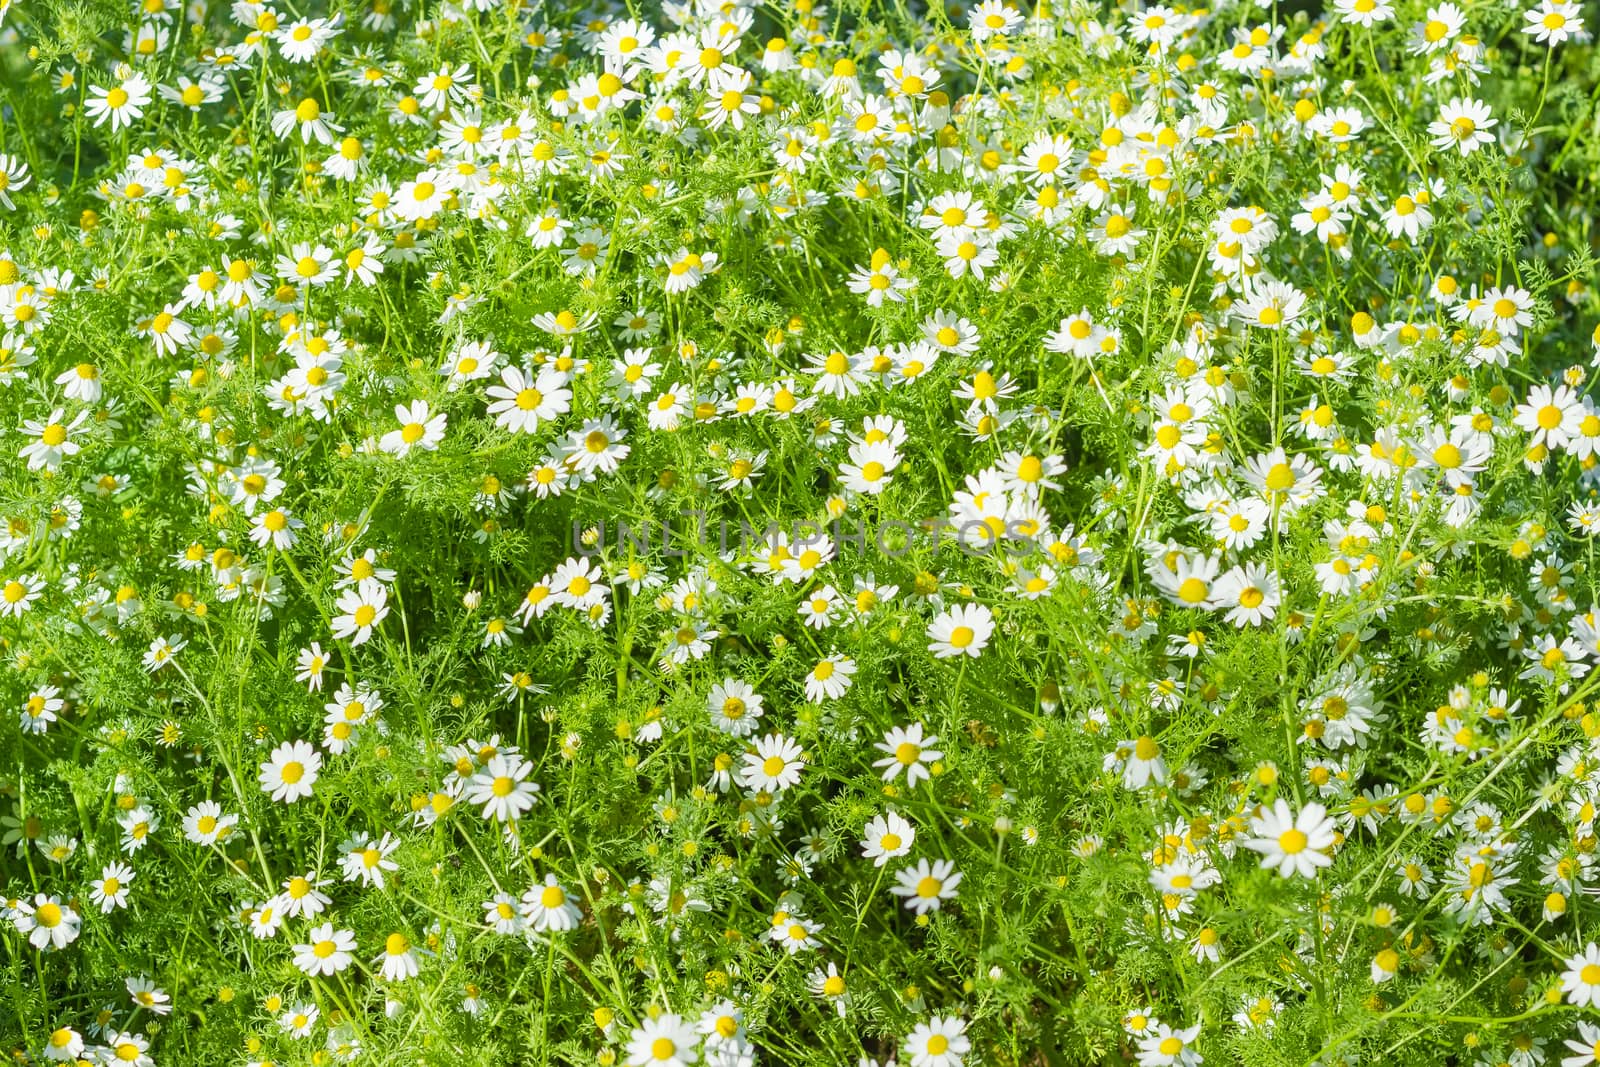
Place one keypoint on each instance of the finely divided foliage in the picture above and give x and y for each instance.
(1157, 623)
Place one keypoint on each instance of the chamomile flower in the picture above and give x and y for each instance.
(50, 439)
(735, 707)
(291, 772)
(326, 951)
(14, 177)
(941, 1041)
(206, 823)
(126, 1047)
(1292, 843)
(39, 710)
(927, 885)
(907, 749)
(961, 631)
(147, 996)
(1554, 22)
(773, 764)
(830, 679)
(888, 836)
(503, 788)
(19, 594)
(1164, 1046)
(64, 1045)
(546, 907)
(1463, 124)
(310, 663)
(361, 610)
(367, 860)
(48, 923)
(399, 960)
(665, 1040)
(1581, 979)
(121, 103)
(420, 428)
(110, 891)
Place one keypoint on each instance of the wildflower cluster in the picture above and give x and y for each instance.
(1244, 709)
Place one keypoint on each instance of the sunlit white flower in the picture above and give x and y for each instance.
(1293, 844)
(291, 771)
